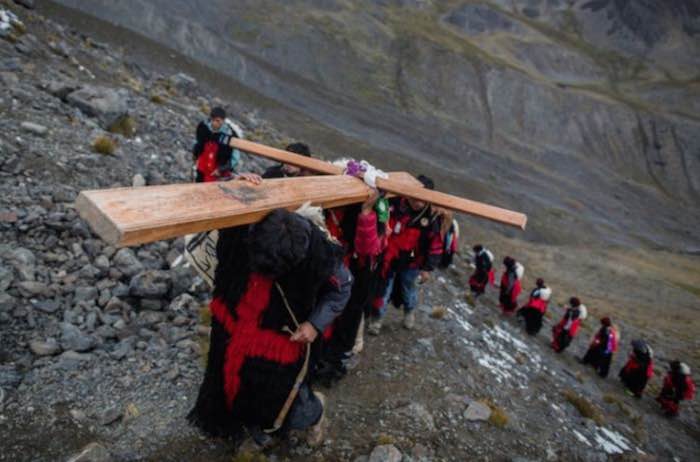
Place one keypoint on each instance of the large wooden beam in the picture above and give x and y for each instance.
(131, 216)
(391, 185)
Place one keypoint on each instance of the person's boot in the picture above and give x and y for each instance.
(375, 326)
(409, 320)
(314, 435)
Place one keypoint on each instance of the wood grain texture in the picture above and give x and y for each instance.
(131, 216)
(404, 187)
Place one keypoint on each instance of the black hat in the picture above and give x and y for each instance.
(299, 148)
(574, 302)
(217, 113)
(428, 183)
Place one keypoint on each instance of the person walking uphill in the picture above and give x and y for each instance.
(278, 284)
(639, 368)
(510, 285)
(215, 159)
(414, 249)
(602, 347)
(678, 386)
(483, 274)
(567, 328)
(535, 308)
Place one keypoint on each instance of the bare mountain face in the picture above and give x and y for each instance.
(585, 114)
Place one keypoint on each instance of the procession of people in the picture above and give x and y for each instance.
(292, 298)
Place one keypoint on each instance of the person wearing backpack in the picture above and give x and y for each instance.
(678, 386)
(533, 311)
(639, 368)
(568, 327)
(483, 274)
(602, 347)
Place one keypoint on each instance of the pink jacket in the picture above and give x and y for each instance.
(367, 240)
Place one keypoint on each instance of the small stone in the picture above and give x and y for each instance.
(110, 415)
(477, 411)
(126, 262)
(138, 181)
(150, 284)
(34, 128)
(47, 306)
(32, 288)
(10, 377)
(85, 293)
(78, 415)
(47, 348)
(73, 339)
(184, 303)
(93, 452)
(385, 453)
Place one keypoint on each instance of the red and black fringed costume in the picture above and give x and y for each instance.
(535, 308)
(639, 368)
(252, 363)
(678, 386)
(414, 243)
(362, 238)
(483, 274)
(510, 285)
(602, 347)
(567, 328)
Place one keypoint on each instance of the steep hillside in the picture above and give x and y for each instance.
(103, 346)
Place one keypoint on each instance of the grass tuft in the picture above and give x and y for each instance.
(383, 439)
(104, 145)
(498, 417)
(438, 312)
(157, 98)
(124, 126)
(584, 407)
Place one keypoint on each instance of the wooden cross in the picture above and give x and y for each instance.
(132, 216)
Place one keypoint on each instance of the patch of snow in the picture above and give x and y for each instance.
(580, 437)
(611, 441)
(7, 19)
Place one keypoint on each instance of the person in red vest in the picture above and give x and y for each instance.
(678, 386)
(483, 274)
(639, 368)
(215, 159)
(531, 314)
(568, 327)
(602, 347)
(510, 285)
(413, 250)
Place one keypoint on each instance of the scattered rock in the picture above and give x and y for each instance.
(93, 452)
(47, 306)
(477, 411)
(125, 260)
(28, 4)
(32, 288)
(150, 284)
(47, 348)
(73, 339)
(184, 303)
(34, 128)
(385, 453)
(110, 415)
(24, 261)
(106, 104)
(85, 293)
(138, 180)
(10, 377)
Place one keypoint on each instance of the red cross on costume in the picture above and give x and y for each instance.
(247, 338)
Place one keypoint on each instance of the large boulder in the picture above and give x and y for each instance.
(107, 105)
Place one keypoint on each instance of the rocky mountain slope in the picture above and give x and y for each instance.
(103, 346)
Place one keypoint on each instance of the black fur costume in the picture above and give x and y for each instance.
(288, 249)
